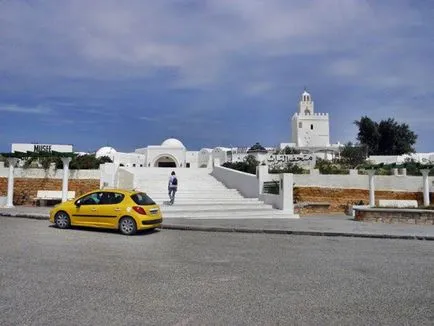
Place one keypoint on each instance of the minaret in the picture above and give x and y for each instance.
(309, 129)
(305, 106)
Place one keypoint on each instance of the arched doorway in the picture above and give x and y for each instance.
(165, 161)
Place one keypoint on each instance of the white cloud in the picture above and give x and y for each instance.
(112, 39)
(149, 119)
(26, 110)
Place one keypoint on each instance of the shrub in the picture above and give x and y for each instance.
(248, 165)
(288, 168)
(328, 167)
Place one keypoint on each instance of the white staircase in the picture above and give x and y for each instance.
(199, 196)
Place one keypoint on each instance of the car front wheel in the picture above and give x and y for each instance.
(127, 226)
(62, 220)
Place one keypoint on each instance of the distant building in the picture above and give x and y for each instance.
(310, 129)
(310, 136)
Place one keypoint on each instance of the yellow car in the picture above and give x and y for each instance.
(125, 210)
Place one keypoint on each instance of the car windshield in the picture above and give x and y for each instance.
(142, 199)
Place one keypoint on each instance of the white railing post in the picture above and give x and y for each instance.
(371, 174)
(65, 161)
(10, 197)
(261, 174)
(426, 199)
(286, 192)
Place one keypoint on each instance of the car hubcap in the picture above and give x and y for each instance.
(127, 225)
(62, 220)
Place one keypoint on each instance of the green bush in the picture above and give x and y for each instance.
(248, 165)
(329, 167)
(288, 168)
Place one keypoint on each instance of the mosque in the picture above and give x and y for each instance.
(310, 136)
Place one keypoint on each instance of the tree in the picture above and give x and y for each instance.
(248, 165)
(368, 134)
(385, 138)
(257, 148)
(353, 155)
(88, 162)
(290, 150)
(396, 139)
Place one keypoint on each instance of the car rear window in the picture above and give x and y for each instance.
(142, 199)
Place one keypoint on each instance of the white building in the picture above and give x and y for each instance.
(310, 129)
(171, 153)
(310, 135)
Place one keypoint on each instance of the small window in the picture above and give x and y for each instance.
(311, 127)
(300, 125)
(142, 199)
(91, 199)
(111, 198)
(134, 165)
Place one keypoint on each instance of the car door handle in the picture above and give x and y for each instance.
(93, 209)
(117, 209)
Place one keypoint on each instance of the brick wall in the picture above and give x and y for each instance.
(25, 189)
(339, 198)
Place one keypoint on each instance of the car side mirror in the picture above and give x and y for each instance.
(78, 203)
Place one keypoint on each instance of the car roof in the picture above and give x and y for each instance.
(122, 191)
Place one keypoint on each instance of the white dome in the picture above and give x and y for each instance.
(105, 151)
(172, 143)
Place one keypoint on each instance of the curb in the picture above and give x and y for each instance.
(290, 232)
(257, 231)
(24, 215)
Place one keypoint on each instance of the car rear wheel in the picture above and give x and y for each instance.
(127, 225)
(62, 220)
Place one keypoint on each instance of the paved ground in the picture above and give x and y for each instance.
(331, 225)
(85, 277)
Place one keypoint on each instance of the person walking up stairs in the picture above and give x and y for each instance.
(173, 187)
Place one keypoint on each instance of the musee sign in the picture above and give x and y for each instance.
(44, 148)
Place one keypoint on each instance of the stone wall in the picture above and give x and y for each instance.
(391, 215)
(25, 189)
(336, 200)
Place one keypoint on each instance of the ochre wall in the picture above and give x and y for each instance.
(25, 189)
(340, 198)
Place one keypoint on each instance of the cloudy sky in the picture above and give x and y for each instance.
(209, 72)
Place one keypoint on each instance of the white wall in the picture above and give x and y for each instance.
(129, 159)
(284, 200)
(423, 158)
(192, 157)
(109, 175)
(388, 183)
(204, 157)
(245, 183)
(125, 179)
(318, 136)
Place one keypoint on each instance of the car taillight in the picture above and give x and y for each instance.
(139, 210)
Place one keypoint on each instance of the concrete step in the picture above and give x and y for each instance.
(209, 201)
(210, 196)
(234, 214)
(214, 207)
(189, 190)
(231, 216)
(183, 186)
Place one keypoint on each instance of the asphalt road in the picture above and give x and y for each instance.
(85, 277)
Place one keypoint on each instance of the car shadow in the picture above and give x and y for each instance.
(106, 231)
